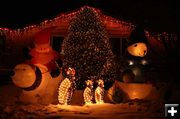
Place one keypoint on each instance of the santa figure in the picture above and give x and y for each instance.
(39, 76)
(43, 53)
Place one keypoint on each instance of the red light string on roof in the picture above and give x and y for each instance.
(124, 27)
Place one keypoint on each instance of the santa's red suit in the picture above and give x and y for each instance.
(42, 53)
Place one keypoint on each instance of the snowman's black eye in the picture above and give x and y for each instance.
(135, 45)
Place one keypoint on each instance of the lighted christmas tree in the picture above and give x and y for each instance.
(87, 48)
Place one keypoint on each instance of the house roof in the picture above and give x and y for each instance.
(158, 15)
(113, 25)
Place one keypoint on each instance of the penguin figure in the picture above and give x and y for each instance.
(88, 92)
(67, 87)
(99, 92)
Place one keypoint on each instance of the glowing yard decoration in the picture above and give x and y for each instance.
(99, 92)
(88, 92)
(138, 49)
(37, 85)
(43, 53)
(87, 48)
(135, 90)
(67, 87)
(64, 91)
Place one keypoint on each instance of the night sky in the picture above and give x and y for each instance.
(155, 15)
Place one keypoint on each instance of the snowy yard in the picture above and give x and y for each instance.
(11, 108)
(132, 110)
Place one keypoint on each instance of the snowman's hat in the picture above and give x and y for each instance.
(137, 36)
(43, 37)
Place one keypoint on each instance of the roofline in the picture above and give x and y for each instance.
(66, 14)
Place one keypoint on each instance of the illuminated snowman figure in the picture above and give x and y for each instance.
(88, 92)
(99, 92)
(136, 51)
(67, 87)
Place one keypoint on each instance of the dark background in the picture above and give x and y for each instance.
(155, 15)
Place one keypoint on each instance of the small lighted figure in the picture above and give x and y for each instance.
(99, 92)
(88, 92)
(67, 87)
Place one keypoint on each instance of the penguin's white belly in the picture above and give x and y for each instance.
(99, 95)
(87, 96)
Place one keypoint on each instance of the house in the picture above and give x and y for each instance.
(13, 41)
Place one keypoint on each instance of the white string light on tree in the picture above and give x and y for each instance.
(99, 92)
(67, 87)
(88, 92)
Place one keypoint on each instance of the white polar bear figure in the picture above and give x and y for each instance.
(36, 83)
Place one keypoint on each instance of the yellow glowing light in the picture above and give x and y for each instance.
(135, 90)
(144, 62)
(64, 91)
(88, 94)
(131, 62)
(99, 92)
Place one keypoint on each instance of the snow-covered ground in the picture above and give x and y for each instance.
(11, 108)
(132, 110)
